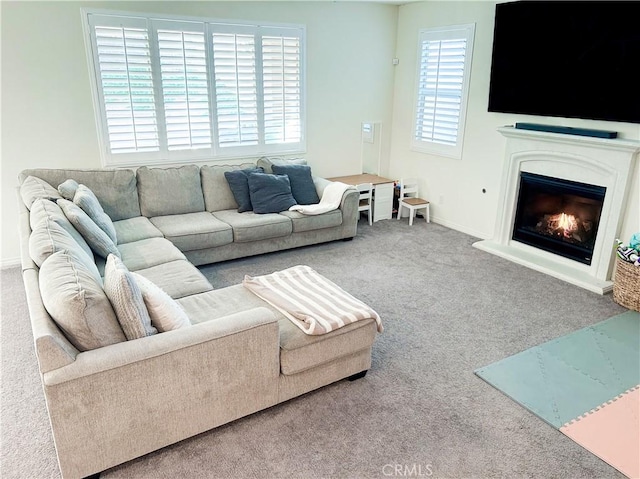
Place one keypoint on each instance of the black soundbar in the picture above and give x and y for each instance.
(567, 130)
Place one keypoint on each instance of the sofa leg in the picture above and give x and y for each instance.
(359, 375)
(348, 239)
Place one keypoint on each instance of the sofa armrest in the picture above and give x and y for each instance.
(125, 400)
(126, 353)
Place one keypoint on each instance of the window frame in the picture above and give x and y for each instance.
(451, 32)
(191, 155)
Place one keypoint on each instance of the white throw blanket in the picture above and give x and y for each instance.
(331, 198)
(309, 300)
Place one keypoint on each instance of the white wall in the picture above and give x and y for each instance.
(454, 187)
(47, 110)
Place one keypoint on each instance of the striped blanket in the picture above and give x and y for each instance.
(309, 300)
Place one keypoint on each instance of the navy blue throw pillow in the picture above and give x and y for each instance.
(302, 187)
(239, 184)
(270, 193)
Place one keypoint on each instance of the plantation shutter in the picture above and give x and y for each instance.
(281, 72)
(123, 58)
(442, 89)
(236, 87)
(185, 92)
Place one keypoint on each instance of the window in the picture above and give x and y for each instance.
(171, 90)
(444, 64)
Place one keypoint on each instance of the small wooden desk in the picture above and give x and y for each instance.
(382, 192)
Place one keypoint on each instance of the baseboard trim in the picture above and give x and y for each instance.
(459, 227)
(6, 263)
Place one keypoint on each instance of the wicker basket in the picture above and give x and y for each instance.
(626, 285)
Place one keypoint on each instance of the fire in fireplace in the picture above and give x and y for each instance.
(559, 216)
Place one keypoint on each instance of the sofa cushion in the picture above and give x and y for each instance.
(97, 239)
(148, 252)
(302, 186)
(33, 188)
(42, 209)
(270, 193)
(135, 229)
(239, 183)
(177, 278)
(86, 199)
(298, 351)
(170, 191)
(267, 162)
(77, 303)
(68, 189)
(165, 313)
(49, 237)
(250, 226)
(115, 188)
(313, 222)
(126, 298)
(217, 193)
(193, 231)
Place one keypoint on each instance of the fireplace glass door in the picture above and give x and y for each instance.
(558, 216)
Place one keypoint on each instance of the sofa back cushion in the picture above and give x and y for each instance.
(217, 193)
(115, 188)
(170, 191)
(77, 302)
(266, 162)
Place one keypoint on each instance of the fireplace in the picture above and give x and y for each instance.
(558, 216)
(561, 204)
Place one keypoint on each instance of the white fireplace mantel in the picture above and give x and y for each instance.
(596, 161)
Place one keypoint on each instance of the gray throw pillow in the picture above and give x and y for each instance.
(87, 200)
(49, 238)
(97, 239)
(45, 209)
(270, 193)
(77, 302)
(33, 188)
(127, 301)
(239, 183)
(68, 189)
(302, 186)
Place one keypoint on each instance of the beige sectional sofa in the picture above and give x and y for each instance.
(114, 403)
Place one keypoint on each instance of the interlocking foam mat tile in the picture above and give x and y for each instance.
(582, 373)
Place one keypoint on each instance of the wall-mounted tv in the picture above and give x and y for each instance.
(573, 59)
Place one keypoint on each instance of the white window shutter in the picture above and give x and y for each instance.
(185, 92)
(281, 80)
(440, 91)
(234, 62)
(126, 87)
(442, 86)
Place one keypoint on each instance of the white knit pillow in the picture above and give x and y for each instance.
(126, 298)
(165, 312)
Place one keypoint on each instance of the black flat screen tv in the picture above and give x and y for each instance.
(568, 59)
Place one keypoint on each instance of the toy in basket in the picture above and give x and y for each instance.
(626, 282)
